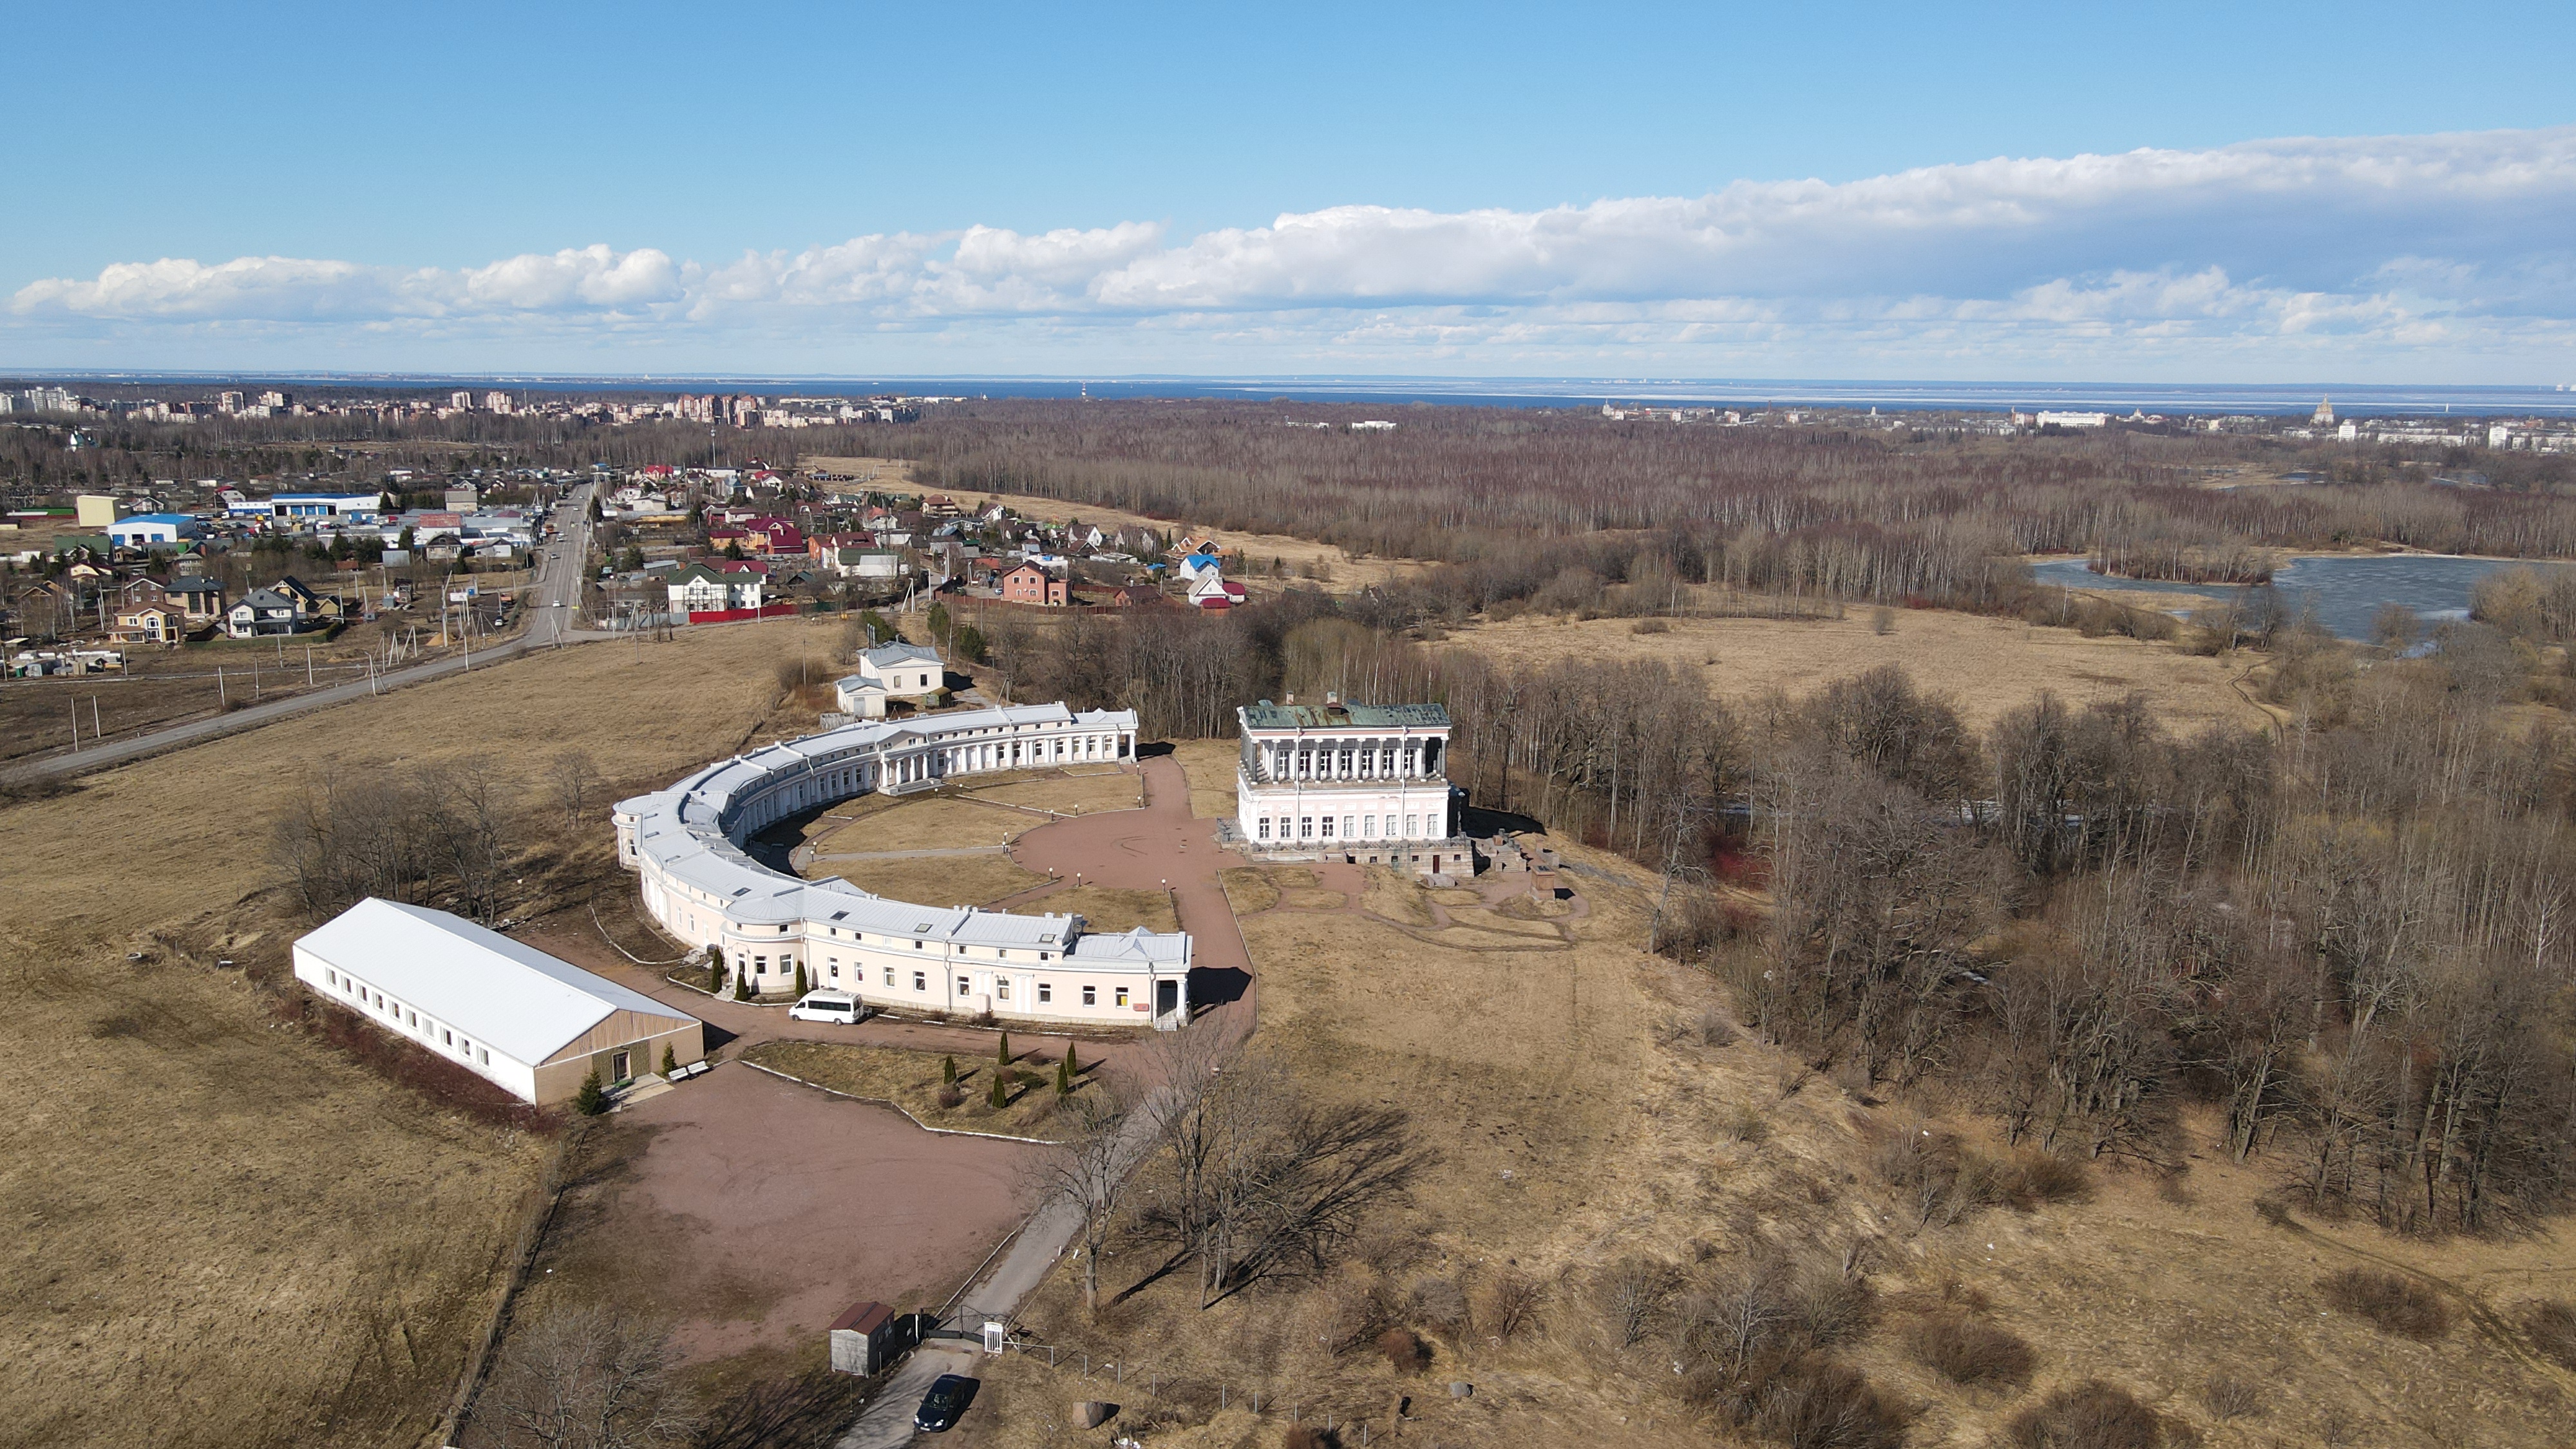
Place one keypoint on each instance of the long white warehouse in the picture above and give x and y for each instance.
(502, 1009)
(702, 886)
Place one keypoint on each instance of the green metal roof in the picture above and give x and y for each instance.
(1268, 716)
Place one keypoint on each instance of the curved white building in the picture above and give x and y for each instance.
(706, 890)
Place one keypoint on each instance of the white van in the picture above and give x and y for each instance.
(837, 1006)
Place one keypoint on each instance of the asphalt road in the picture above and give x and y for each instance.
(552, 604)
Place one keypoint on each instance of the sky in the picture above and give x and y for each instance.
(2144, 192)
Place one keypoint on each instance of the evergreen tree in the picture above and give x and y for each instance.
(1064, 1076)
(948, 1071)
(1000, 1095)
(670, 1061)
(741, 984)
(800, 980)
(1003, 1054)
(1072, 1064)
(592, 1099)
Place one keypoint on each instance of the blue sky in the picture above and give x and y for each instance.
(2177, 192)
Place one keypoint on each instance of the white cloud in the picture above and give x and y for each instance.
(2450, 241)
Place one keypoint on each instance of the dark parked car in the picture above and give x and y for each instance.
(946, 1400)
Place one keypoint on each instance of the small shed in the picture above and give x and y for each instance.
(864, 1339)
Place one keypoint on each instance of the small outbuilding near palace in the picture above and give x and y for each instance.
(526, 1021)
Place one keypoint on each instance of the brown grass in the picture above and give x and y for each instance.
(912, 1081)
(934, 822)
(965, 880)
(1989, 666)
(1081, 790)
(2394, 1303)
(1109, 909)
(1210, 766)
(1345, 574)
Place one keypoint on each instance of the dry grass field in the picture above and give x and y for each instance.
(1584, 1110)
(1987, 666)
(960, 880)
(1104, 908)
(937, 822)
(1084, 790)
(220, 1223)
(911, 1080)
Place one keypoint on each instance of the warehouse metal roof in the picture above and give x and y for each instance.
(503, 993)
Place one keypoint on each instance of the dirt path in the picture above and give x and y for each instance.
(1158, 847)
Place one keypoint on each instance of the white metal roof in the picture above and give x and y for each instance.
(509, 995)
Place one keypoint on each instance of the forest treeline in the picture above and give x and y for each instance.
(2350, 940)
(1517, 504)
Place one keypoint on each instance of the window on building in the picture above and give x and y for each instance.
(1305, 827)
(921, 981)
(759, 965)
(1368, 827)
(1002, 988)
(1122, 996)
(889, 976)
(1412, 823)
(1046, 992)
(1265, 827)
(1349, 822)
(1328, 827)
(447, 1037)
(1091, 996)
(482, 1056)
(965, 987)
(836, 968)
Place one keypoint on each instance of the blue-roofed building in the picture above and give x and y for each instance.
(152, 530)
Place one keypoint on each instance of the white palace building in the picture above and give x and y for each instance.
(1362, 783)
(703, 887)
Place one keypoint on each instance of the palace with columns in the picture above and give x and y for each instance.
(698, 881)
(1363, 783)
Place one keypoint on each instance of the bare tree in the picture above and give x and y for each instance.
(1087, 1172)
(588, 1378)
(576, 779)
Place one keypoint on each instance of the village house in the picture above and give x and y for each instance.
(150, 624)
(910, 673)
(1033, 583)
(263, 612)
(1211, 590)
(698, 589)
(199, 598)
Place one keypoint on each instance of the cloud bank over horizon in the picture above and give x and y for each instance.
(2416, 257)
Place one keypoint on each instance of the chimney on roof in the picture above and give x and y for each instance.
(1332, 697)
(1291, 699)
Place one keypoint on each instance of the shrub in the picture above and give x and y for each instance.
(592, 1099)
(2090, 1415)
(1650, 626)
(952, 1096)
(1000, 1095)
(670, 1060)
(948, 1070)
(2227, 1397)
(1971, 1352)
(1404, 1350)
(1002, 1053)
(1310, 1436)
(1439, 1302)
(1815, 1403)
(742, 986)
(800, 981)
(1072, 1063)
(2551, 1323)
(2392, 1303)
(1064, 1077)
(2045, 1177)
(1511, 1305)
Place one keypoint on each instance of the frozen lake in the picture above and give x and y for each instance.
(2347, 590)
